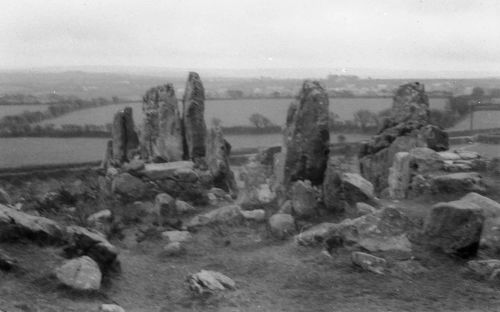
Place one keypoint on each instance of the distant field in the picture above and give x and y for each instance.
(482, 120)
(235, 112)
(6, 110)
(16, 152)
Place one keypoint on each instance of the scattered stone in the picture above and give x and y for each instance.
(303, 199)
(111, 308)
(81, 274)
(316, 235)
(454, 227)
(170, 170)
(125, 139)
(182, 207)
(226, 214)
(282, 225)
(485, 269)
(173, 249)
(4, 197)
(91, 243)
(100, 216)
(257, 215)
(16, 224)
(127, 185)
(458, 183)
(209, 282)
(177, 236)
(195, 129)
(369, 262)
(307, 135)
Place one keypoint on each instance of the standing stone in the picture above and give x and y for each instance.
(218, 151)
(162, 135)
(307, 136)
(125, 140)
(108, 155)
(195, 129)
(411, 103)
(399, 176)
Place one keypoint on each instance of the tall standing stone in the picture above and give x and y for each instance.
(411, 103)
(218, 151)
(195, 129)
(125, 140)
(307, 136)
(162, 134)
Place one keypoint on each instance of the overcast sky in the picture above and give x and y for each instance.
(426, 35)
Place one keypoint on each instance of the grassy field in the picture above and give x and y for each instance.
(482, 120)
(6, 110)
(235, 112)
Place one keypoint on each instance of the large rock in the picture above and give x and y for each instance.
(226, 214)
(303, 199)
(91, 243)
(125, 139)
(218, 152)
(16, 224)
(410, 103)
(162, 131)
(282, 225)
(458, 183)
(195, 129)
(455, 227)
(127, 185)
(307, 135)
(81, 274)
(490, 208)
(384, 230)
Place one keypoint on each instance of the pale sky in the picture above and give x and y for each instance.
(428, 35)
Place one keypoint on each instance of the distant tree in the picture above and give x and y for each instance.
(216, 122)
(495, 92)
(234, 94)
(260, 121)
(115, 99)
(341, 138)
(364, 118)
(477, 93)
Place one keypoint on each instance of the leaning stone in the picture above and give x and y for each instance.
(81, 274)
(357, 189)
(282, 225)
(111, 308)
(303, 199)
(218, 152)
(125, 139)
(454, 227)
(369, 262)
(485, 269)
(227, 214)
(307, 135)
(195, 129)
(177, 236)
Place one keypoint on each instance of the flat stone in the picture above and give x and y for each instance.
(111, 308)
(92, 243)
(160, 171)
(210, 281)
(447, 155)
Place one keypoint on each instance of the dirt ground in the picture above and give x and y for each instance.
(270, 274)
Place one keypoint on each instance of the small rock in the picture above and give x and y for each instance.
(449, 156)
(182, 207)
(486, 269)
(286, 208)
(264, 194)
(467, 155)
(257, 215)
(127, 185)
(282, 225)
(315, 235)
(165, 204)
(173, 249)
(100, 216)
(226, 214)
(134, 165)
(209, 282)
(177, 236)
(84, 241)
(212, 199)
(490, 208)
(363, 209)
(369, 262)
(111, 308)
(81, 273)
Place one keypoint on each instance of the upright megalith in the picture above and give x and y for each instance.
(407, 128)
(194, 127)
(162, 129)
(217, 159)
(307, 136)
(125, 139)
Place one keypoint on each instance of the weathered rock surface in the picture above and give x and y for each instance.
(282, 225)
(81, 274)
(454, 227)
(209, 281)
(218, 152)
(490, 208)
(125, 139)
(91, 243)
(127, 185)
(111, 308)
(182, 207)
(363, 209)
(303, 199)
(307, 135)
(485, 269)
(411, 104)
(227, 214)
(195, 129)
(173, 249)
(458, 183)
(100, 216)
(369, 262)
(162, 129)
(16, 224)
